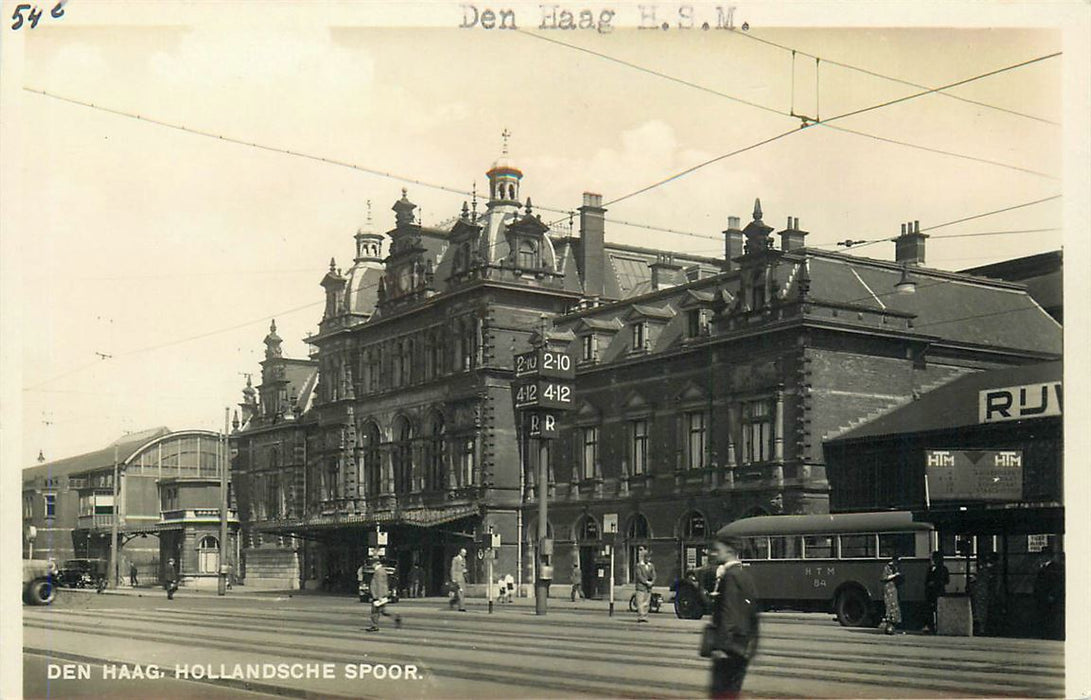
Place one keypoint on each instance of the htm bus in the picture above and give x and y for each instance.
(824, 563)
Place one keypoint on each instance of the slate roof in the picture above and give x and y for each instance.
(953, 405)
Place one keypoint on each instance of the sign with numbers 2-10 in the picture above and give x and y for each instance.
(548, 364)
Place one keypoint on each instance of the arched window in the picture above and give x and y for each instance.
(434, 456)
(373, 460)
(273, 457)
(694, 526)
(208, 555)
(403, 456)
(638, 528)
(586, 529)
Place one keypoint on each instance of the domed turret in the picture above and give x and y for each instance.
(504, 177)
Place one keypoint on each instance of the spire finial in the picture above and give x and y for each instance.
(757, 209)
(465, 210)
(41, 456)
(249, 384)
(333, 266)
(273, 326)
(473, 198)
(528, 206)
(369, 215)
(405, 192)
(505, 135)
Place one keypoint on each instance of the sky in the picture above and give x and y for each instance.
(169, 252)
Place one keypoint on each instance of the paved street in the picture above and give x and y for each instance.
(575, 650)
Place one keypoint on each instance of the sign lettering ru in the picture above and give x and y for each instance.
(1019, 402)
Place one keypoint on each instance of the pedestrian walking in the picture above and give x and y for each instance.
(577, 579)
(892, 579)
(509, 583)
(645, 579)
(170, 579)
(732, 638)
(380, 597)
(935, 585)
(416, 581)
(982, 592)
(458, 580)
(132, 574)
(1049, 595)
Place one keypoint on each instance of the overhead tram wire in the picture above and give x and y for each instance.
(330, 161)
(864, 244)
(687, 83)
(875, 74)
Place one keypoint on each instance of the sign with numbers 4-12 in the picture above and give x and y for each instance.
(544, 393)
(549, 364)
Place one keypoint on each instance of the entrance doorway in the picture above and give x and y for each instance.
(588, 572)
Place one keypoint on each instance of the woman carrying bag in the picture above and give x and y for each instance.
(892, 580)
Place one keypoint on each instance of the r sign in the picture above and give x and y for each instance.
(542, 425)
(1019, 402)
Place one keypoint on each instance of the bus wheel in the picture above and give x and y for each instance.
(852, 608)
(687, 604)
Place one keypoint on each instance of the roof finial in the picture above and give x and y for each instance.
(757, 209)
(528, 206)
(405, 193)
(41, 456)
(273, 326)
(473, 198)
(369, 215)
(333, 265)
(505, 135)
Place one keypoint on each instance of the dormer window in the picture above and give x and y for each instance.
(588, 349)
(640, 336)
(528, 255)
(696, 323)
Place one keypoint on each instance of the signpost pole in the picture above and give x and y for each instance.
(488, 569)
(541, 593)
(112, 573)
(611, 545)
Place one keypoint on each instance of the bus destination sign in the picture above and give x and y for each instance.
(974, 475)
(549, 364)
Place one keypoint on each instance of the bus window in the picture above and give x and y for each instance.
(787, 547)
(858, 546)
(901, 543)
(756, 548)
(818, 547)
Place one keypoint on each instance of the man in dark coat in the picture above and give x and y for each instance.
(170, 579)
(935, 585)
(734, 619)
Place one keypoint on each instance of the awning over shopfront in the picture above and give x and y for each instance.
(416, 517)
(1019, 519)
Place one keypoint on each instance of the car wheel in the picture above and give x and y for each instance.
(40, 592)
(687, 604)
(852, 608)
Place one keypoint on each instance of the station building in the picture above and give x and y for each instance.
(705, 389)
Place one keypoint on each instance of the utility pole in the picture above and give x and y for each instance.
(224, 464)
(112, 573)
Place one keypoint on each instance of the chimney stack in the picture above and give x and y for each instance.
(791, 238)
(664, 271)
(592, 256)
(909, 246)
(732, 244)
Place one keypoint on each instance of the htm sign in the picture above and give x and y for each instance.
(1019, 402)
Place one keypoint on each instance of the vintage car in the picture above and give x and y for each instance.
(392, 580)
(38, 581)
(83, 573)
(693, 593)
